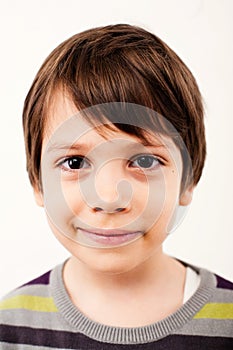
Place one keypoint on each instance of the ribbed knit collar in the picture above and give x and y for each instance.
(135, 335)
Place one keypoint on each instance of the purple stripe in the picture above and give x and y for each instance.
(43, 279)
(222, 283)
(68, 340)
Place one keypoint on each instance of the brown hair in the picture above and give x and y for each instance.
(117, 63)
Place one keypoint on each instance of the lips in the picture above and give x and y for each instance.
(107, 237)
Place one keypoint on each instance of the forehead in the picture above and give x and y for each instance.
(65, 125)
(61, 107)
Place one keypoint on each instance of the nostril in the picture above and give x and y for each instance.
(98, 209)
(110, 211)
(120, 209)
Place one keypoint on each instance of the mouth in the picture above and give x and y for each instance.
(107, 237)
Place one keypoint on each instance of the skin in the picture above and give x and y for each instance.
(135, 284)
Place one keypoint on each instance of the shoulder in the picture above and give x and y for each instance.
(212, 321)
(221, 302)
(26, 310)
(216, 315)
(28, 300)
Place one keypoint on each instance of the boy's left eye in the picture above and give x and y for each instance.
(148, 162)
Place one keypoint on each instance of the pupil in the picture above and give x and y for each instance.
(75, 163)
(145, 162)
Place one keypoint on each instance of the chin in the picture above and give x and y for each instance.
(107, 261)
(110, 261)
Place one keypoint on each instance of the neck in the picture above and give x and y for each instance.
(158, 281)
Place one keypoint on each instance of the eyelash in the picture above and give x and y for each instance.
(66, 169)
(61, 164)
(154, 158)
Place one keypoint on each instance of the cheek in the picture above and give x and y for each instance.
(151, 199)
(61, 203)
(162, 200)
(73, 197)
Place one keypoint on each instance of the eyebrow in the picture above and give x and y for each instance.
(64, 146)
(86, 146)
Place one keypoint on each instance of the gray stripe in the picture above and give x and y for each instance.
(222, 296)
(206, 327)
(8, 346)
(35, 289)
(28, 318)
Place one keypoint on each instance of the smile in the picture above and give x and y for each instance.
(109, 237)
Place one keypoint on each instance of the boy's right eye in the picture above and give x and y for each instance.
(74, 163)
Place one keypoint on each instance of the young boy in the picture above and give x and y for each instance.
(115, 146)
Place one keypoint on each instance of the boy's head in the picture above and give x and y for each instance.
(132, 90)
(118, 63)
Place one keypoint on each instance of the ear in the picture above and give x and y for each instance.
(38, 196)
(186, 196)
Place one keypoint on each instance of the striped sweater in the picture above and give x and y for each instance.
(40, 315)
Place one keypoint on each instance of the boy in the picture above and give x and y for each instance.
(115, 145)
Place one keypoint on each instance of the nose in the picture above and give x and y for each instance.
(113, 189)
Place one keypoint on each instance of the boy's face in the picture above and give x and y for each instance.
(111, 201)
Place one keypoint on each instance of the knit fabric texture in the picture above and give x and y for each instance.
(40, 315)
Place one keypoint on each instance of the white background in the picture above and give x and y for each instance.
(201, 32)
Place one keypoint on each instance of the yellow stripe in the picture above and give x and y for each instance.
(29, 302)
(216, 310)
